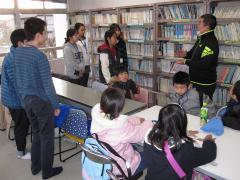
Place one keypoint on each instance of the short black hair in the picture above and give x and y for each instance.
(108, 34)
(120, 69)
(181, 78)
(78, 25)
(112, 102)
(16, 36)
(70, 33)
(32, 26)
(236, 90)
(115, 27)
(209, 20)
(172, 123)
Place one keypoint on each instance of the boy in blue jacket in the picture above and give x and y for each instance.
(10, 98)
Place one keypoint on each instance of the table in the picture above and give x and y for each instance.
(228, 146)
(86, 98)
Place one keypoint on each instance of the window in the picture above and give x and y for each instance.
(7, 4)
(52, 5)
(7, 25)
(29, 4)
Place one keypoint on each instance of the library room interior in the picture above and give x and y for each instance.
(119, 90)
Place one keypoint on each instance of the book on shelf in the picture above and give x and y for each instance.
(140, 65)
(162, 100)
(172, 50)
(224, 11)
(98, 33)
(181, 11)
(230, 52)
(144, 34)
(80, 18)
(178, 31)
(95, 46)
(164, 85)
(228, 74)
(140, 49)
(221, 96)
(141, 80)
(105, 19)
(228, 32)
(137, 17)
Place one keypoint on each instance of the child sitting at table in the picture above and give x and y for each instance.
(118, 130)
(188, 97)
(122, 81)
(232, 116)
(170, 132)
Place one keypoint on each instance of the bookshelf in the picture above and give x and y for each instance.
(155, 33)
(176, 31)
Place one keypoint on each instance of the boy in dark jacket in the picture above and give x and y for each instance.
(232, 116)
(122, 81)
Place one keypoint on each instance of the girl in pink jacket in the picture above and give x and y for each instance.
(119, 130)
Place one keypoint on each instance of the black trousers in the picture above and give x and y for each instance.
(208, 90)
(21, 121)
(41, 114)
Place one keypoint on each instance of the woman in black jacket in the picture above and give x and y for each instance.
(171, 127)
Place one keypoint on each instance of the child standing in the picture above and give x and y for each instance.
(109, 57)
(37, 94)
(73, 58)
(83, 45)
(171, 128)
(119, 130)
(187, 97)
(232, 116)
(122, 81)
(10, 97)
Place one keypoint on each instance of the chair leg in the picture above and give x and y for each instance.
(63, 151)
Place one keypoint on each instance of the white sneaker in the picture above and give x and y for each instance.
(26, 156)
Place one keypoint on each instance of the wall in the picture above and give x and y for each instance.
(76, 5)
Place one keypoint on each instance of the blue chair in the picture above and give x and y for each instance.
(75, 127)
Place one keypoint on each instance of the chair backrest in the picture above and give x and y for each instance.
(99, 86)
(76, 124)
(221, 111)
(143, 96)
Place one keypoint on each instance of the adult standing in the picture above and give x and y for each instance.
(83, 46)
(202, 59)
(121, 45)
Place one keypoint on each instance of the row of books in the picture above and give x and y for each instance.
(231, 52)
(221, 96)
(168, 66)
(162, 100)
(178, 31)
(228, 74)
(140, 65)
(164, 85)
(105, 19)
(182, 11)
(139, 34)
(228, 32)
(140, 49)
(141, 80)
(172, 49)
(137, 17)
(95, 46)
(98, 33)
(227, 11)
(80, 18)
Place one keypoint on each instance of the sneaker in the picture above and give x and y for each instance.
(26, 156)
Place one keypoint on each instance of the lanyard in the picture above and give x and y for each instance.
(84, 45)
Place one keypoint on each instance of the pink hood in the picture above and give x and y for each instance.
(120, 133)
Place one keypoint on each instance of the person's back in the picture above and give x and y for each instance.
(118, 130)
(170, 131)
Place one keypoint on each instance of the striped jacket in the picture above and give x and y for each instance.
(9, 95)
(33, 75)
